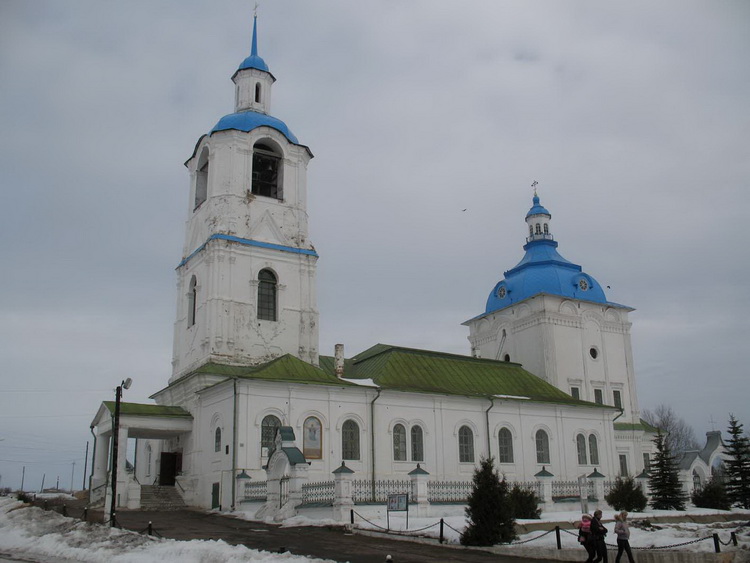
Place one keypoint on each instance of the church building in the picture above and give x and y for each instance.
(547, 385)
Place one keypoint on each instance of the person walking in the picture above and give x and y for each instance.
(598, 533)
(623, 536)
(584, 536)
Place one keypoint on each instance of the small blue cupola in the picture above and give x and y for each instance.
(542, 270)
(252, 99)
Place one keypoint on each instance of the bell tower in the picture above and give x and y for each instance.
(246, 282)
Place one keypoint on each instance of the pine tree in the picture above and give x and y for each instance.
(488, 510)
(666, 490)
(738, 465)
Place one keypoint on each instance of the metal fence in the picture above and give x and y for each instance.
(367, 491)
(320, 493)
(448, 491)
(255, 491)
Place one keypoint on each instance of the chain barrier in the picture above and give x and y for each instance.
(521, 542)
(368, 521)
(451, 527)
(403, 532)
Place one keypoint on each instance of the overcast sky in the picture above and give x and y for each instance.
(632, 116)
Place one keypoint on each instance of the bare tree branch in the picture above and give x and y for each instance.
(680, 436)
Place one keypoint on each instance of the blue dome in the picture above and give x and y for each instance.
(537, 208)
(249, 120)
(543, 270)
(254, 61)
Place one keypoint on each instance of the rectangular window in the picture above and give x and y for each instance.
(575, 392)
(617, 396)
(646, 462)
(598, 397)
(623, 465)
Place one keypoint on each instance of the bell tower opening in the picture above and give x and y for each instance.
(266, 170)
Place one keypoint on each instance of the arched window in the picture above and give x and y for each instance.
(266, 171)
(697, 485)
(201, 179)
(531, 230)
(546, 229)
(465, 445)
(268, 428)
(581, 448)
(266, 295)
(505, 443)
(350, 440)
(217, 439)
(257, 92)
(312, 440)
(593, 450)
(507, 357)
(417, 443)
(542, 447)
(192, 301)
(538, 229)
(399, 443)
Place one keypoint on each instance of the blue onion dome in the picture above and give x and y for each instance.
(537, 208)
(249, 120)
(543, 270)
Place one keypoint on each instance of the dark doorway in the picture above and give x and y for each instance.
(168, 468)
(215, 495)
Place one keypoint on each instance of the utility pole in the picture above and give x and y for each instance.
(116, 432)
(23, 476)
(72, 472)
(43, 476)
(85, 466)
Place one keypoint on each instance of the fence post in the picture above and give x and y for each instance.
(150, 528)
(342, 492)
(85, 516)
(442, 537)
(734, 538)
(46, 507)
(717, 547)
(557, 537)
(351, 517)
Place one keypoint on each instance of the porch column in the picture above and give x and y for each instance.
(100, 466)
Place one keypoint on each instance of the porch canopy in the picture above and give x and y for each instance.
(144, 421)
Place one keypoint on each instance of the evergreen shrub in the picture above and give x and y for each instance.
(626, 494)
(24, 497)
(524, 503)
(713, 495)
(488, 508)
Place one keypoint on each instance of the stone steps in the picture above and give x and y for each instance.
(154, 497)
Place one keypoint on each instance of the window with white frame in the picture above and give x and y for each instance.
(417, 443)
(542, 447)
(350, 440)
(465, 445)
(593, 450)
(617, 397)
(598, 396)
(581, 449)
(268, 428)
(217, 440)
(505, 446)
(399, 443)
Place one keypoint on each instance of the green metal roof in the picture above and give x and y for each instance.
(286, 368)
(139, 409)
(424, 371)
(642, 425)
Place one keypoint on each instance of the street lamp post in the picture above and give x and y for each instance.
(116, 429)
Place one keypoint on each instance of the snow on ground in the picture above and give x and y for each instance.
(35, 534)
(657, 535)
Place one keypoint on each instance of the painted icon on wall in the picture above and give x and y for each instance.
(312, 441)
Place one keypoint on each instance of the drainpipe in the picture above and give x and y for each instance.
(93, 458)
(622, 412)
(487, 420)
(372, 441)
(234, 441)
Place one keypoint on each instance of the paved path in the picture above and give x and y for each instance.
(323, 542)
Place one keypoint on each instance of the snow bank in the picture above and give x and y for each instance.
(34, 533)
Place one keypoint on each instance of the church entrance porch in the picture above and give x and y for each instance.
(142, 422)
